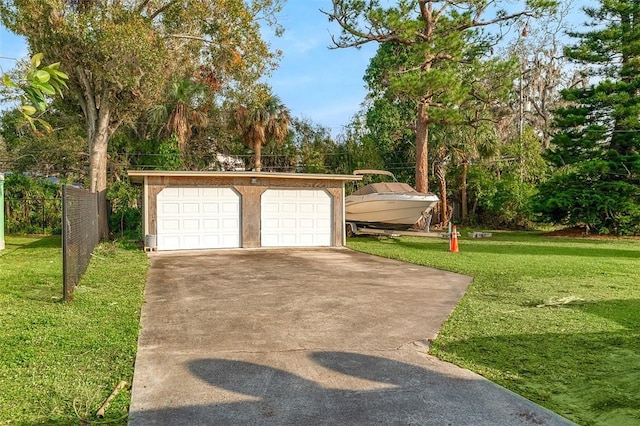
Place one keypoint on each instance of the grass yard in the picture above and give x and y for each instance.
(58, 361)
(556, 320)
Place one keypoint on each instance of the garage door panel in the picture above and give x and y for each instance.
(170, 225)
(309, 208)
(210, 224)
(289, 208)
(190, 208)
(191, 192)
(323, 209)
(191, 240)
(270, 208)
(230, 208)
(286, 194)
(210, 208)
(170, 242)
(306, 223)
(307, 239)
(171, 193)
(230, 223)
(170, 208)
(270, 224)
(198, 218)
(191, 225)
(286, 223)
(288, 239)
(269, 240)
(211, 192)
(229, 241)
(296, 218)
(211, 240)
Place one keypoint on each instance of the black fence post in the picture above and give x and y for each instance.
(66, 293)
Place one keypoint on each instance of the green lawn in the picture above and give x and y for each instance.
(58, 361)
(556, 320)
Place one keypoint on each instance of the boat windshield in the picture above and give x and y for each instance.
(384, 188)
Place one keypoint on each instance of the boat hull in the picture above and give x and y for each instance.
(395, 211)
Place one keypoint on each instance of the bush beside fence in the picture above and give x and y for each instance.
(33, 215)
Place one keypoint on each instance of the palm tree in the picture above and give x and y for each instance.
(182, 112)
(265, 122)
(460, 145)
(475, 143)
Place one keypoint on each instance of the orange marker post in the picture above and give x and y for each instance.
(453, 241)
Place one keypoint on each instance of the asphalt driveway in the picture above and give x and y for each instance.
(313, 336)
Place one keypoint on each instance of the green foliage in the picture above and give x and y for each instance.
(123, 56)
(37, 86)
(314, 146)
(597, 149)
(605, 205)
(32, 206)
(125, 214)
(501, 191)
(528, 158)
(60, 153)
(389, 130)
(59, 362)
(127, 153)
(356, 152)
(262, 121)
(433, 55)
(555, 320)
(509, 206)
(277, 157)
(169, 157)
(184, 111)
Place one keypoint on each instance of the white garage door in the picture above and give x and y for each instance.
(296, 218)
(198, 218)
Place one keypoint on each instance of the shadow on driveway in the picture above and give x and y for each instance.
(327, 336)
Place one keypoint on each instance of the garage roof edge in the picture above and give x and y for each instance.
(137, 176)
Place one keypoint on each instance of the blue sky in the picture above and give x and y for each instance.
(313, 81)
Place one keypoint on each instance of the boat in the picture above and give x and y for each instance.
(387, 205)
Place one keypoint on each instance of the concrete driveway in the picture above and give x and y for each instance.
(312, 336)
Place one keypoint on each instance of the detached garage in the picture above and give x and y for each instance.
(209, 210)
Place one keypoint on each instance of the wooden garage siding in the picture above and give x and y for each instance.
(250, 194)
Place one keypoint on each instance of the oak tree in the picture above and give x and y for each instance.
(120, 55)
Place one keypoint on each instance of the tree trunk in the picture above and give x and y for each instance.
(98, 144)
(441, 174)
(257, 149)
(463, 190)
(422, 149)
(99, 129)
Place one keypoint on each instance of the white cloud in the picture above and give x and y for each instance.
(294, 44)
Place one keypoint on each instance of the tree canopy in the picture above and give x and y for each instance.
(120, 56)
(441, 39)
(261, 122)
(597, 148)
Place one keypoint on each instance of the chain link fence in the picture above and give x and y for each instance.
(80, 234)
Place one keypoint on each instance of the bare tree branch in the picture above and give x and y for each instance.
(162, 9)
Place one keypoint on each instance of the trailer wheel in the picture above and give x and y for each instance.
(350, 229)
